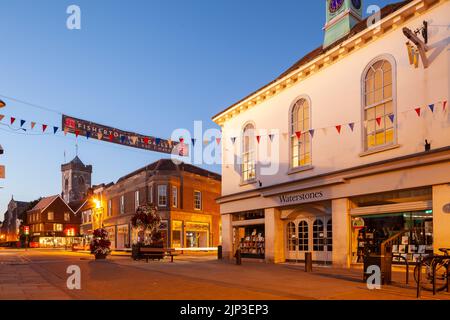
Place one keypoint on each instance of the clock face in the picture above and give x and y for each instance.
(335, 5)
(356, 4)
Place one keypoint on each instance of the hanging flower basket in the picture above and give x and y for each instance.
(100, 245)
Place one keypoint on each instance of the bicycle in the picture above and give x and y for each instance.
(442, 267)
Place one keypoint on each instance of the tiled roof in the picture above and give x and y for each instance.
(44, 203)
(361, 26)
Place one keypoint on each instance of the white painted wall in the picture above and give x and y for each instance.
(335, 94)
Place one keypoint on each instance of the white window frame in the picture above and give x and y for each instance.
(136, 199)
(365, 148)
(174, 196)
(162, 195)
(248, 154)
(122, 204)
(198, 199)
(306, 136)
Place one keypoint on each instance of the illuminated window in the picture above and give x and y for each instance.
(379, 104)
(109, 208)
(197, 200)
(318, 236)
(162, 196)
(291, 236)
(150, 194)
(57, 227)
(136, 199)
(300, 138)
(66, 216)
(50, 216)
(122, 204)
(303, 236)
(248, 169)
(174, 197)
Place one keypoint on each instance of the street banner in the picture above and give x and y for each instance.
(104, 133)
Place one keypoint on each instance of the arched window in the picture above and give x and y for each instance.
(300, 124)
(290, 228)
(379, 104)
(318, 235)
(248, 153)
(81, 181)
(303, 236)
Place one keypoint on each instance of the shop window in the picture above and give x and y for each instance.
(291, 236)
(177, 232)
(318, 236)
(300, 124)
(330, 235)
(251, 241)
(379, 103)
(303, 236)
(248, 168)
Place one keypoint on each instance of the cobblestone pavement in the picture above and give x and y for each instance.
(41, 274)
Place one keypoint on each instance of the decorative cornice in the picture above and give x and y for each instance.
(390, 23)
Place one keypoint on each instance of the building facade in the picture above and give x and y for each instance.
(183, 194)
(76, 180)
(348, 147)
(53, 223)
(13, 219)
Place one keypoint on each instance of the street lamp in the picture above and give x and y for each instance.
(2, 104)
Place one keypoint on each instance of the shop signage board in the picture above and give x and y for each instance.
(104, 133)
(301, 197)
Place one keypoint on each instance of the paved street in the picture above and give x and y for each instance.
(41, 274)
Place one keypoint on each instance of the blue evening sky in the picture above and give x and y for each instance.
(144, 66)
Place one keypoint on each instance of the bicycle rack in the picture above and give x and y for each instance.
(436, 260)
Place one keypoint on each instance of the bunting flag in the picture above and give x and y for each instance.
(122, 139)
(33, 124)
(193, 141)
(146, 140)
(218, 140)
(181, 139)
(100, 136)
(205, 142)
(55, 130)
(233, 140)
(13, 120)
(338, 128)
(352, 126)
(271, 136)
(431, 106)
(111, 137)
(22, 122)
(158, 141)
(134, 139)
(170, 142)
(444, 105)
(285, 135)
(418, 111)
(311, 133)
(1, 117)
(77, 133)
(378, 119)
(88, 135)
(392, 117)
(258, 138)
(325, 131)
(298, 134)
(44, 127)
(65, 131)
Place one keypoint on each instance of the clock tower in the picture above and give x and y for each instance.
(342, 16)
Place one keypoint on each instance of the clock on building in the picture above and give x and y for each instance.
(335, 5)
(356, 4)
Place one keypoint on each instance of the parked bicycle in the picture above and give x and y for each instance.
(442, 266)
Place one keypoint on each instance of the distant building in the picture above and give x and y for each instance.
(53, 223)
(13, 218)
(184, 195)
(76, 181)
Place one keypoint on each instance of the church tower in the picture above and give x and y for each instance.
(76, 180)
(342, 16)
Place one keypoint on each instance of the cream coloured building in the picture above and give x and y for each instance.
(348, 147)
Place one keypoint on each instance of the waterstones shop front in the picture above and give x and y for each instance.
(337, 220)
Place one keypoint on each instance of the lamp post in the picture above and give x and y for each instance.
(98, 212)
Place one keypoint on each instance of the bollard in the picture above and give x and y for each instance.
(238, 257)
(219, 253)
(308, 262)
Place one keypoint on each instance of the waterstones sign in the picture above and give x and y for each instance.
(100, 132)
(301, 197)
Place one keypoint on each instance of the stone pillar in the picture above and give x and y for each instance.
(274, 236)
(341, 233)
(227, 236)
(441, 216)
